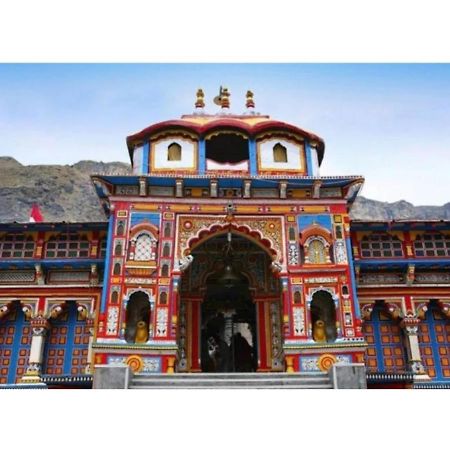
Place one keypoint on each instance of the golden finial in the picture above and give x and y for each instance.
(200, 103)
(224, 98)
(250, 103)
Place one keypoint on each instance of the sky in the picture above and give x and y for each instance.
(387, 122)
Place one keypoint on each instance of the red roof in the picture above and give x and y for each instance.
(251, 130)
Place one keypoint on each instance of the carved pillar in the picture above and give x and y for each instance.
(90, 326)
(175, 305)
(410, 326)
(285, 305)
(39, 327)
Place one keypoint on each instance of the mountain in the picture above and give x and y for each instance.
(65, 193)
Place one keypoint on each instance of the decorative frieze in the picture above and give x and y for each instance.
(127, 190)
(433, 278)
(16, 276)
(381, 278)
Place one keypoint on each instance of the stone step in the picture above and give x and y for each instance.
(231, 381)
(234, 375)
(234, 386)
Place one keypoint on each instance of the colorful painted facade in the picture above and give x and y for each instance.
(225, 250)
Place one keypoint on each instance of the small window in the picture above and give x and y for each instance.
(120, 228)
(317, 252)
(116, 269)
(279, 153)
(163, 298)
(114, 297)
(118, 249)
(167, 230)
(145, 248)
(165, 270)
(292, 236)
(174, 152)
(166, 250)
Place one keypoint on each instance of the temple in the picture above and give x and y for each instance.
(225, 252)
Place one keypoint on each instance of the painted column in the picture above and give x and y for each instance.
(106, 277)
(145, 158)
(174, 305)
(39, 327)
(90, 325)
(410, 326)
(252, 157)
(201, 156)
(286, 306)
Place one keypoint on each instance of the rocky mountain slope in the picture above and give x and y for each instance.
(65, 193)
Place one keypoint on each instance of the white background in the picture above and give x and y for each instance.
(197, 31)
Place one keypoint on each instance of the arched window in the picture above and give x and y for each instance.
(297, 297)
(317, 252)
(163, 298)
(385, 351)
(114, 297)
(279, 153)
(174, 152)
(16, 246)
(145, 249)
(118, 249)
(117, 268)
(166, 250)
(344, 289)
(323, 317)
(167, 230)
(165, 270)
(432, 245)
(120, 228)
(381, 246)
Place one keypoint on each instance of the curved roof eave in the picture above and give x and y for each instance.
(202, 129)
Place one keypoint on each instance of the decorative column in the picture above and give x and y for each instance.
(285, 305)
(410, 326)
(39, 326)
(90, 326)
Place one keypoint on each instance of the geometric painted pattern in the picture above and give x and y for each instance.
(385, 351)
(66, 347)
(434, 343)
(15, 343)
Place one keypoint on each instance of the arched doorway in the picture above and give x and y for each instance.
(230, 302)
(137, 318)
(323, 317)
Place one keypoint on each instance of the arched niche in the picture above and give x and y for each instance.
(323, 317)
(137, 318)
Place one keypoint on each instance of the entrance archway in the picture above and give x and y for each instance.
(229, 299)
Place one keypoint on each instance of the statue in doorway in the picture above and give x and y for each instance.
(319, 332)
(243, 354)
(141, 333)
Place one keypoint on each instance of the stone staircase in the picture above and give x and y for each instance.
(255, 380)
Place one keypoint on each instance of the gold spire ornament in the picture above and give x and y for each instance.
(225, 99)
(200, 102)
(250, 103)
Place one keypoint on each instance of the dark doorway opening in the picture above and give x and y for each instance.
(228, 328)
(227, 148)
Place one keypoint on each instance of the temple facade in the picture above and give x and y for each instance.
(225, 251)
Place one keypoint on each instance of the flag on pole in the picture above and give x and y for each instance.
(35, 215)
